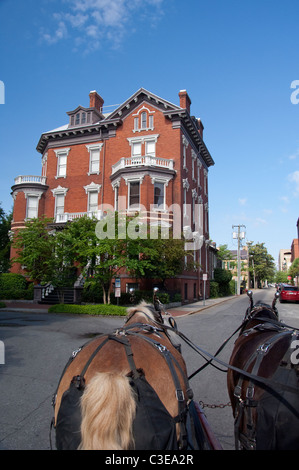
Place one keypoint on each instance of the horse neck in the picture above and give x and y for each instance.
(264, 314)
(140, 317)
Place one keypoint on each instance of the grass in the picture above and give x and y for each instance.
(99, 309)
(2, 304)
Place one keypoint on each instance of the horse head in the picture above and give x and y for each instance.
(260, 311)
(144, 312)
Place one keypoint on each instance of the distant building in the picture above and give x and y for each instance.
(146, 153)
(232, 265)
(284, 260)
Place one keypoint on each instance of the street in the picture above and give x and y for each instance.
(37, 347)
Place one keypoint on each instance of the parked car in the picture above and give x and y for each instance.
(288, 293)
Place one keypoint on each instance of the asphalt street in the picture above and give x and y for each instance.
(38, 345)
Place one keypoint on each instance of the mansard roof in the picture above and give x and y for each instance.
(106, 126)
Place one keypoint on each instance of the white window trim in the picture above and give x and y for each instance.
(91, 188)
(59, 153)
(115, 186)
(137, 115)
(29, 195)
(165, 181)
(59, 191)
(94, 147)
(143, 140)
(133, 179)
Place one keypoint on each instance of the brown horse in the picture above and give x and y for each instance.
(266, 404)
(126, 390)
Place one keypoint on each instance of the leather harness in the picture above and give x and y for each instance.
(140, 330)
(245, 405)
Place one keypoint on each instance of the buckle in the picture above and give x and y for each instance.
(180, 395)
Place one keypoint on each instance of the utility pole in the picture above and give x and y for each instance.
(239, 235)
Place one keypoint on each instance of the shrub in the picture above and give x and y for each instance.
(214, 289)
(15, 286)
(100, 309)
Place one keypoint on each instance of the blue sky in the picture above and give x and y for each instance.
(236, 58)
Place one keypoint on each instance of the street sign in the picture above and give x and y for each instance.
(204, 277)
(117, 292)
(117, 282)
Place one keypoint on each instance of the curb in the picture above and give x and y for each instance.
(204, 307)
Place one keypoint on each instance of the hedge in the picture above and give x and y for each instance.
(100, 309)
(15, 286)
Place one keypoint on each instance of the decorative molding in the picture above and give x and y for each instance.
(92, 187)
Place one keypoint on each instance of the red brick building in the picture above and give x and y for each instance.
(148, 154)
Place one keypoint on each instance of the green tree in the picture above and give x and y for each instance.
(101, 249)
(5, 224)
(294, 269)
(35, 247)
(41, 250)
(224, 253)
(281, 276)
(261, 263)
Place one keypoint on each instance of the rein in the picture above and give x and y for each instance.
(262, 381)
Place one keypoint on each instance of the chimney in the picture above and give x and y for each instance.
(185, 101)
(200, 127)
(96, 101)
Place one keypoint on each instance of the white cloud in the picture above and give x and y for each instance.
(294, 156)
(101, 20)
(59, 33)
(242, 201)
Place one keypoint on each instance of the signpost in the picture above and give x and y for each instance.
(117, 289)
(204, 278)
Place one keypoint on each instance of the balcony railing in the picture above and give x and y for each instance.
(146, 160)
(69, 216)
(30, 179)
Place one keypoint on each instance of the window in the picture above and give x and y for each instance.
(61, 162)
(136, 149)
(93, 201)
(159, 189)
(143, 120)
(92, 190)
(144, 145)
(134, 194)
(94, 158)
(77, 119)
(150, 147)
(61, 170)
(59, 193)
(94, 161)
(83, 118)
(32, 207)
(59, 205)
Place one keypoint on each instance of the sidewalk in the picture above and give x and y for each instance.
(197, 307)
(30, 306)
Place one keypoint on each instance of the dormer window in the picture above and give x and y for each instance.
(84, 116)
(143, 120)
